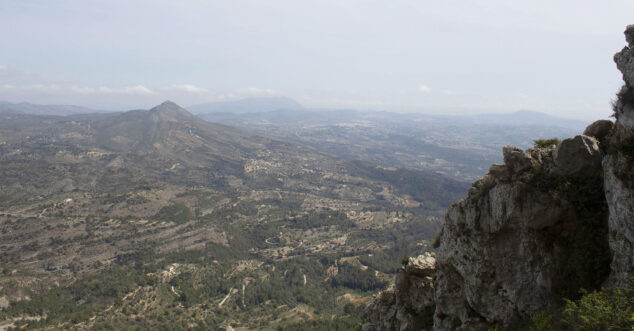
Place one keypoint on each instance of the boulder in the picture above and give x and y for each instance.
(516, 159)
(577, 156)
(599, 130)
(498, 171)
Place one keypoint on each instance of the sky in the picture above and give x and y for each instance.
(447, 57)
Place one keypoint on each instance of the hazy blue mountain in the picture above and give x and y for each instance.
(248, 105)
(527, 117)
(34, 109)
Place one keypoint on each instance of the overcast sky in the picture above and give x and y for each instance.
(398, 55)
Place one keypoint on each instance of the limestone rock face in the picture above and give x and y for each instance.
(505, 250)
(409, 304)
(618, 165)
(625, 58)
(619, 192)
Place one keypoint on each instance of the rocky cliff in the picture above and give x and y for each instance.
(531, 231)
(618, 165)
(545, 224)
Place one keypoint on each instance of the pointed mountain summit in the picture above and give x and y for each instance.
(169, 110)
(167, 105)
(142, 130)
(170, 132)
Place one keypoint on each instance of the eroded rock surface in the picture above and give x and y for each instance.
(510, 249)
(531, 231)
(578, 155)
(409, 303)
(619, 171)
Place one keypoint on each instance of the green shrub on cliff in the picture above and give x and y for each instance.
(544, 143)
(608, 309)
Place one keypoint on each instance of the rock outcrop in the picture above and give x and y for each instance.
(511, 248)
(601, 130)
(619, 171)
(409, 303)
(536, 229)
(567, 160)
(530, 231)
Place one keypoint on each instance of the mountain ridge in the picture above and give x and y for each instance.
(38, 109)
(247, 105)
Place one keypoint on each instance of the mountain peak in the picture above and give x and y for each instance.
(170, 109)
(167, 105)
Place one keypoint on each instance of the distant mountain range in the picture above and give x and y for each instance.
(248, 105)
(165, 213)
(172, 145)
(288, 108)
(525, 117)
(35, 109)
(460, 146)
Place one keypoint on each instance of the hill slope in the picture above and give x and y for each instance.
(141, 193)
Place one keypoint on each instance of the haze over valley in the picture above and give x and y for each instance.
(150, 192)
(139, 190)
(316, 165)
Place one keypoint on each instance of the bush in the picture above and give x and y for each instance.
(177, 213)
(608, 309)
(357, 279)
(602, 310)
(545, 143)
(405, 260)
(625, 97)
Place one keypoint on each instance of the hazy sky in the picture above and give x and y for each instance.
(397, 55)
